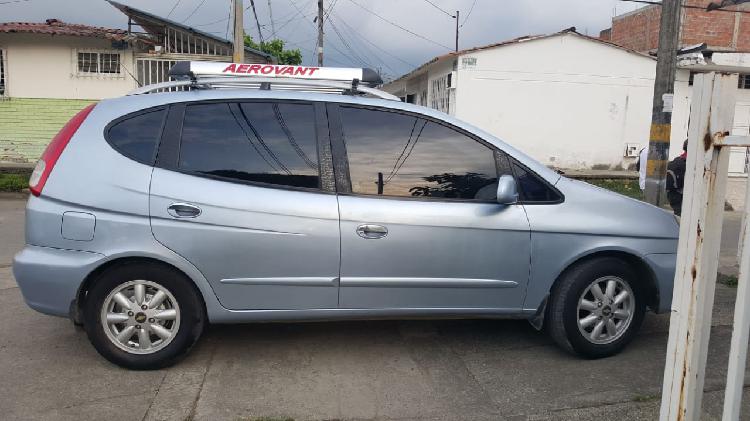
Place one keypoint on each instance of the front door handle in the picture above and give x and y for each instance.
(183, 210)
(372, 231)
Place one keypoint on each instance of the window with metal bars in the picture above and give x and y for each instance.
(744, 82)
(90, 62)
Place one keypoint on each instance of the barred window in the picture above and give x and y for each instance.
(441, 97)
(2, 72)
(97, 62)
(744, 82)
(109, 63)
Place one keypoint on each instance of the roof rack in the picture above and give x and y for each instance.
(214, 75)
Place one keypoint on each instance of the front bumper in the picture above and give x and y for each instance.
(663, 266)
(49, 278)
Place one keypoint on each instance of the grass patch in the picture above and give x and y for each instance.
(645, 398)
(728, 280)
(628, 188)
(13, 182)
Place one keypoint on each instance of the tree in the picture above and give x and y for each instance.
(276, 48)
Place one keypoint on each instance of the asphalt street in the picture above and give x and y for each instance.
(389, 370)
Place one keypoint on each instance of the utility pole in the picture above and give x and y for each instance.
(238, 55)
(320, 33)
(273, 25)
(456, 30)
(661, 117)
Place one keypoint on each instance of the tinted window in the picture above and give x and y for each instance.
(258, 142)
(400, 155)
(532, 188)
(137, 137)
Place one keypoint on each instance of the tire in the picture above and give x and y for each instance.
(153, 337)
(573, 321)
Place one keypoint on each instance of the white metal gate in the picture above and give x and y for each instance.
(710, 145)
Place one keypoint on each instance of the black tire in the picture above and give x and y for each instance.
(191, 313)
(563, 314)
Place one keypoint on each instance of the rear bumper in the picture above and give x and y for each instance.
(663, 266)
(49, 278)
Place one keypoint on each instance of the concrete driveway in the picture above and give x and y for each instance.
(393, 370)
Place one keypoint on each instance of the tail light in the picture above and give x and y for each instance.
(55, 148)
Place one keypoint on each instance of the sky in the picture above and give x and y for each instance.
(357, 32)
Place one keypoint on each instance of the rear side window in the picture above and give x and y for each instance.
(254, 142)
(138, 136)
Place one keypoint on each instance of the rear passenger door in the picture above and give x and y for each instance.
(244, 191)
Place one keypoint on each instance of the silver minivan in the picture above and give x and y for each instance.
(154, 214)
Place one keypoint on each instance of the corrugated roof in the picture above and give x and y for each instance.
(517, 41)
(58, 27)
(153, 23)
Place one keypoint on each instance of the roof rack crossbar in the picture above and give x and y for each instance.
(264, 83)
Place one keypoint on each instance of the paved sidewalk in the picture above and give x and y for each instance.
(384, 370)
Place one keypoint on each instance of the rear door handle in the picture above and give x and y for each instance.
(372, 231)
(183, 210)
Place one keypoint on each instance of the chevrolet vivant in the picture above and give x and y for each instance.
(246, 193)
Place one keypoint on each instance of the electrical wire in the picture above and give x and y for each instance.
(471, 9)
(257, 22)
(399, 26)
(177, 3)
(229, 19)
(355, 35)
(210, 23)
(346, 44)
(194, 10)
(441, 9)
(363, 38)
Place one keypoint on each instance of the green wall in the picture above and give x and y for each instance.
(28, 124)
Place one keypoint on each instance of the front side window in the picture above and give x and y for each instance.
(253, 142)
(533, 189)
(401, 155)
(137, 137)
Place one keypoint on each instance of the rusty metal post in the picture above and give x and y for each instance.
(712, 112)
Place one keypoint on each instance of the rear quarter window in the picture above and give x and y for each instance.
(137, 135)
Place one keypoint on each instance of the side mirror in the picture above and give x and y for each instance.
(507, 192)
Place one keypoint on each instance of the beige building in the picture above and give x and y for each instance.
(50, 70)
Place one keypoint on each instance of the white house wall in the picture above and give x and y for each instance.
(44, 66)
(568, 102)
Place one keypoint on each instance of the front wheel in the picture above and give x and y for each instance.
(596, 308)
(143, 316)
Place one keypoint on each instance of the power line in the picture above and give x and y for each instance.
(257, 22)
(399, 26)
(440, 9)
(177, 3)
(14, 1)
(194, 10)
(347, 46)
(368, 50)
(229, 19)
(352, 30)
(210, 23)
(471, 9)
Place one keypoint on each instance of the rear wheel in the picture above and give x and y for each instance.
(143, 316)
(596, 308)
